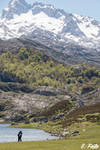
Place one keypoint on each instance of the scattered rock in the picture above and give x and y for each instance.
(75, 132)
(58, 117)
(40, 120)
(65, 133)
(84, 130)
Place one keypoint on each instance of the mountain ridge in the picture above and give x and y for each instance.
(69, 54)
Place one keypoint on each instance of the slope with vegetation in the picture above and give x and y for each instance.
(35, 88)
(38, 69)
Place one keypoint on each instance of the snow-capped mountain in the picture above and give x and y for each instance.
(48, 24)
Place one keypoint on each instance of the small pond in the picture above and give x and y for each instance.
(8, 134)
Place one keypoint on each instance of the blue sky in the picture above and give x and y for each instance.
(82, 7)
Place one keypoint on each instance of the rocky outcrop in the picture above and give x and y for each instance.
(22, 103)
(18, 103)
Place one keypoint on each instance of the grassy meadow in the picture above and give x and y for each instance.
(71, 144)
(91, 135)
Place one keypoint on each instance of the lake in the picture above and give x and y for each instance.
(8, 134)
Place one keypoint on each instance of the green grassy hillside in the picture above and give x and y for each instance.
(37, 68)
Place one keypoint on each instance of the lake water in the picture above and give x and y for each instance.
(10, 134)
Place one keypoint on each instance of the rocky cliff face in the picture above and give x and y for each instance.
(17, 104)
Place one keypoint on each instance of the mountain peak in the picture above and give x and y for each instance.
(48, 9)
(15, 7)
(40, 4)
(13, 3)
(18, 7)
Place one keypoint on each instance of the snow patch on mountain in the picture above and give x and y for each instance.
(87, 27)
(27, 22)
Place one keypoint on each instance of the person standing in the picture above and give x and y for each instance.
(20, 136)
